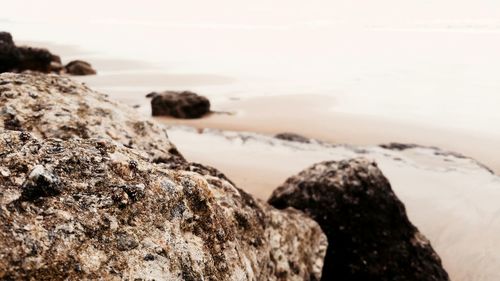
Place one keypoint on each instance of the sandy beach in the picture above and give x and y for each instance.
(349, 83)
(313, 117)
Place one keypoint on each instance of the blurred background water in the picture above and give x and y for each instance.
(431, 62)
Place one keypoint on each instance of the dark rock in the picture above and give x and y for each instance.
(18, 59)
(9, 54)
(292, 137)
(398, 146)
(40, 183)
(151, 95)
(186, 105)
(37, 59)
(369, 234)
(78, 67)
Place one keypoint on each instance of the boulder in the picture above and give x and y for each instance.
(52, 106)
(9, 54)
(85, 195)
(370, 236)
(292, 137)
(186, 105)
(91, 209)
(38, 59)
(78, 67)
(18, 59)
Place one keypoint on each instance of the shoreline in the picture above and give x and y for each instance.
(447, 197)
(299, 114)
(308, 115)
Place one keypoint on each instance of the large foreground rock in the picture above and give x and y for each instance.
(186, 105)
(91, 209)
(369, 234)
(52, 106)
(90, 191)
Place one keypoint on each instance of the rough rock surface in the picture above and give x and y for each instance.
(53, 106)
(95, 193)
(78, 67)
(292, 137)
(186, 105)
(369, 234)
(86, 209)
(17, 59)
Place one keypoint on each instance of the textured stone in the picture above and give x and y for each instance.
(88, 190)
(369, 234)
(53, 106)
(112, 220)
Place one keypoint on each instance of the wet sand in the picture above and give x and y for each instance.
(315, 117)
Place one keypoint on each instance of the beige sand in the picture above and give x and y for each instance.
(312, 116)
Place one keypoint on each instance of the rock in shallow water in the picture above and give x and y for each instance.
(369, 234)
(186, 105)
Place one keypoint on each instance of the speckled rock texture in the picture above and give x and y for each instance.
(88, 191)
(369, 234)
(53, 106)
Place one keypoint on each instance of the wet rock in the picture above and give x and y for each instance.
(219, 233)
(78, 67)
(369, 234)
(66, 109)
(186, 105)
(292, 137)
